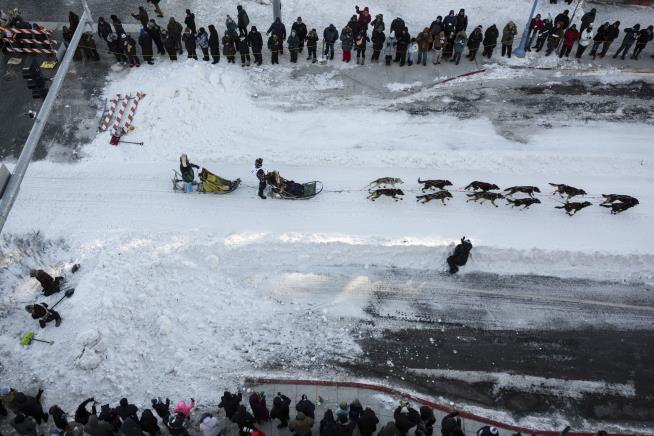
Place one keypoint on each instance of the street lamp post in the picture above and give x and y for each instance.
(277, 9)
(520, 51)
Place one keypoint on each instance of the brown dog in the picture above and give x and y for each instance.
(524, 202)
(483, 196)
(434, 184)
(573, 208)
(482, 186)
(529, 190)
(387, 192)
(440, 195)
(570, 191)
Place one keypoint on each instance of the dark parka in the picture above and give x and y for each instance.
(490, 36)
(397, 25)
(126, 410)
(378, 39)
(255, 40)
(148, 423)
(95, 427)
(330, 34)
(59, 417)
(145, 41)
(131, 427)
(190, 21)
(327, 424)
(142, 16)
(280, 409)
(24, 425)
(475, 38)
(278, 29)
(230, 402)
(347, 40)
(461, 21)
(242, 18)
(300, 30)
(81, 414)
(588, 17)
(28, 405)
(367, 422)
(104, 28)
(307, 407)
(406, 421)
(214, 41)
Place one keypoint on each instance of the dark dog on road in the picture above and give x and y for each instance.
(440, 195)
(524, 202)
(573, 208)
(483, 196)
(523, 189)
(434, 184)
(393, 193)
(482, 186)
(570, 191)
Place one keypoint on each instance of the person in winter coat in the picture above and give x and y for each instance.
(258, 405)
(644, 37)
(184, 408)
(508, 35)
(188, 176)
(118, 26)
(439, 43)
(312, 46)
(599, 38)
(126, 410)
(364, 18)
(389, 47)
(24, 425)
(436, 27)
(214, 44)
(490, 41)
(460, 255)
(29, 406)
(59, 417)
(243, 21)
(378, 39)
(293, 46)
(155, 33)
(176, 425)
(378, 24)
(330, 36)
(451, 425)
(130, 427)
(327, 424)
(273, 46)
(148, 423)
(113, 44)
(104, 28)
(630, 36)
(367, 422)
(535, 27)
(360, 45)
(402, 46)
(175, 31)
(163, 408)
(587, 20)
(405, 416)
(354, 25)
(96, 427)
(256, 43)
(342, 410)
(231, 27)
(170, 44)
(209, 425)
(243, 419)
(88, 47)
(459, 45)
(244, 50)
(427, 421)
(81, 414)
(413, 52)
(345, 426)
(230, 403)
(425, 41)
(397, 25)
(584, 41)
(461, 21)
(449, 24)
(612, 34)
(189, 43)
(50, 285)
(564, 19)
(300, 31)
(544, 34)
(474, 41)
(301, 425)
(306, 406)
(145, 41)
(347, 41)
(281, 403)
(189, 20)
(43, 314)
(202, 41)
(390, 429)
(142, 16)
(569, 38)
(279, 30)
(554, 38)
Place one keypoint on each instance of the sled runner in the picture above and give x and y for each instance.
(209, 183)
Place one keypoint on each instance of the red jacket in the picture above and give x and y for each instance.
(363, 18)
(536, 23)
(570, 36)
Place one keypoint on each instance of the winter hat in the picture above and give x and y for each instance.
(153, 401)
(239, 7)
(493, 430)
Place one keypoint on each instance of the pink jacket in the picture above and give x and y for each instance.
(184, 408)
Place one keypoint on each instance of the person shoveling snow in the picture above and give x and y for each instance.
(460, 255)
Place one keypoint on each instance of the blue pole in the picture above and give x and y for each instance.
(520, 51)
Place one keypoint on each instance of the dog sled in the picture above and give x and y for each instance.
(209, 183)
(291, 190)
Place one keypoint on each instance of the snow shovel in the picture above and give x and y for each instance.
(323, 58)
(28, 338)
(67, 294)
(115, 140)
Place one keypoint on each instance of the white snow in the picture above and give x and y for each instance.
(188, 293)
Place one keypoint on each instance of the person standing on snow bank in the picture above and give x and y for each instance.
(162, 408)
(630, 37)
(460, 255)
(230, 403)
(258, 405)
(330, 36)
(82, 415)
(243, 21)
(188, 175)
(28, 406)
(184, 408)
(43, 314)
(280, 409)
(260, 173)
(50, 285)
(209, 425)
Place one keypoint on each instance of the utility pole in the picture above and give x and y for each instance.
(277, 9)
(13, 185)
(520, 51)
